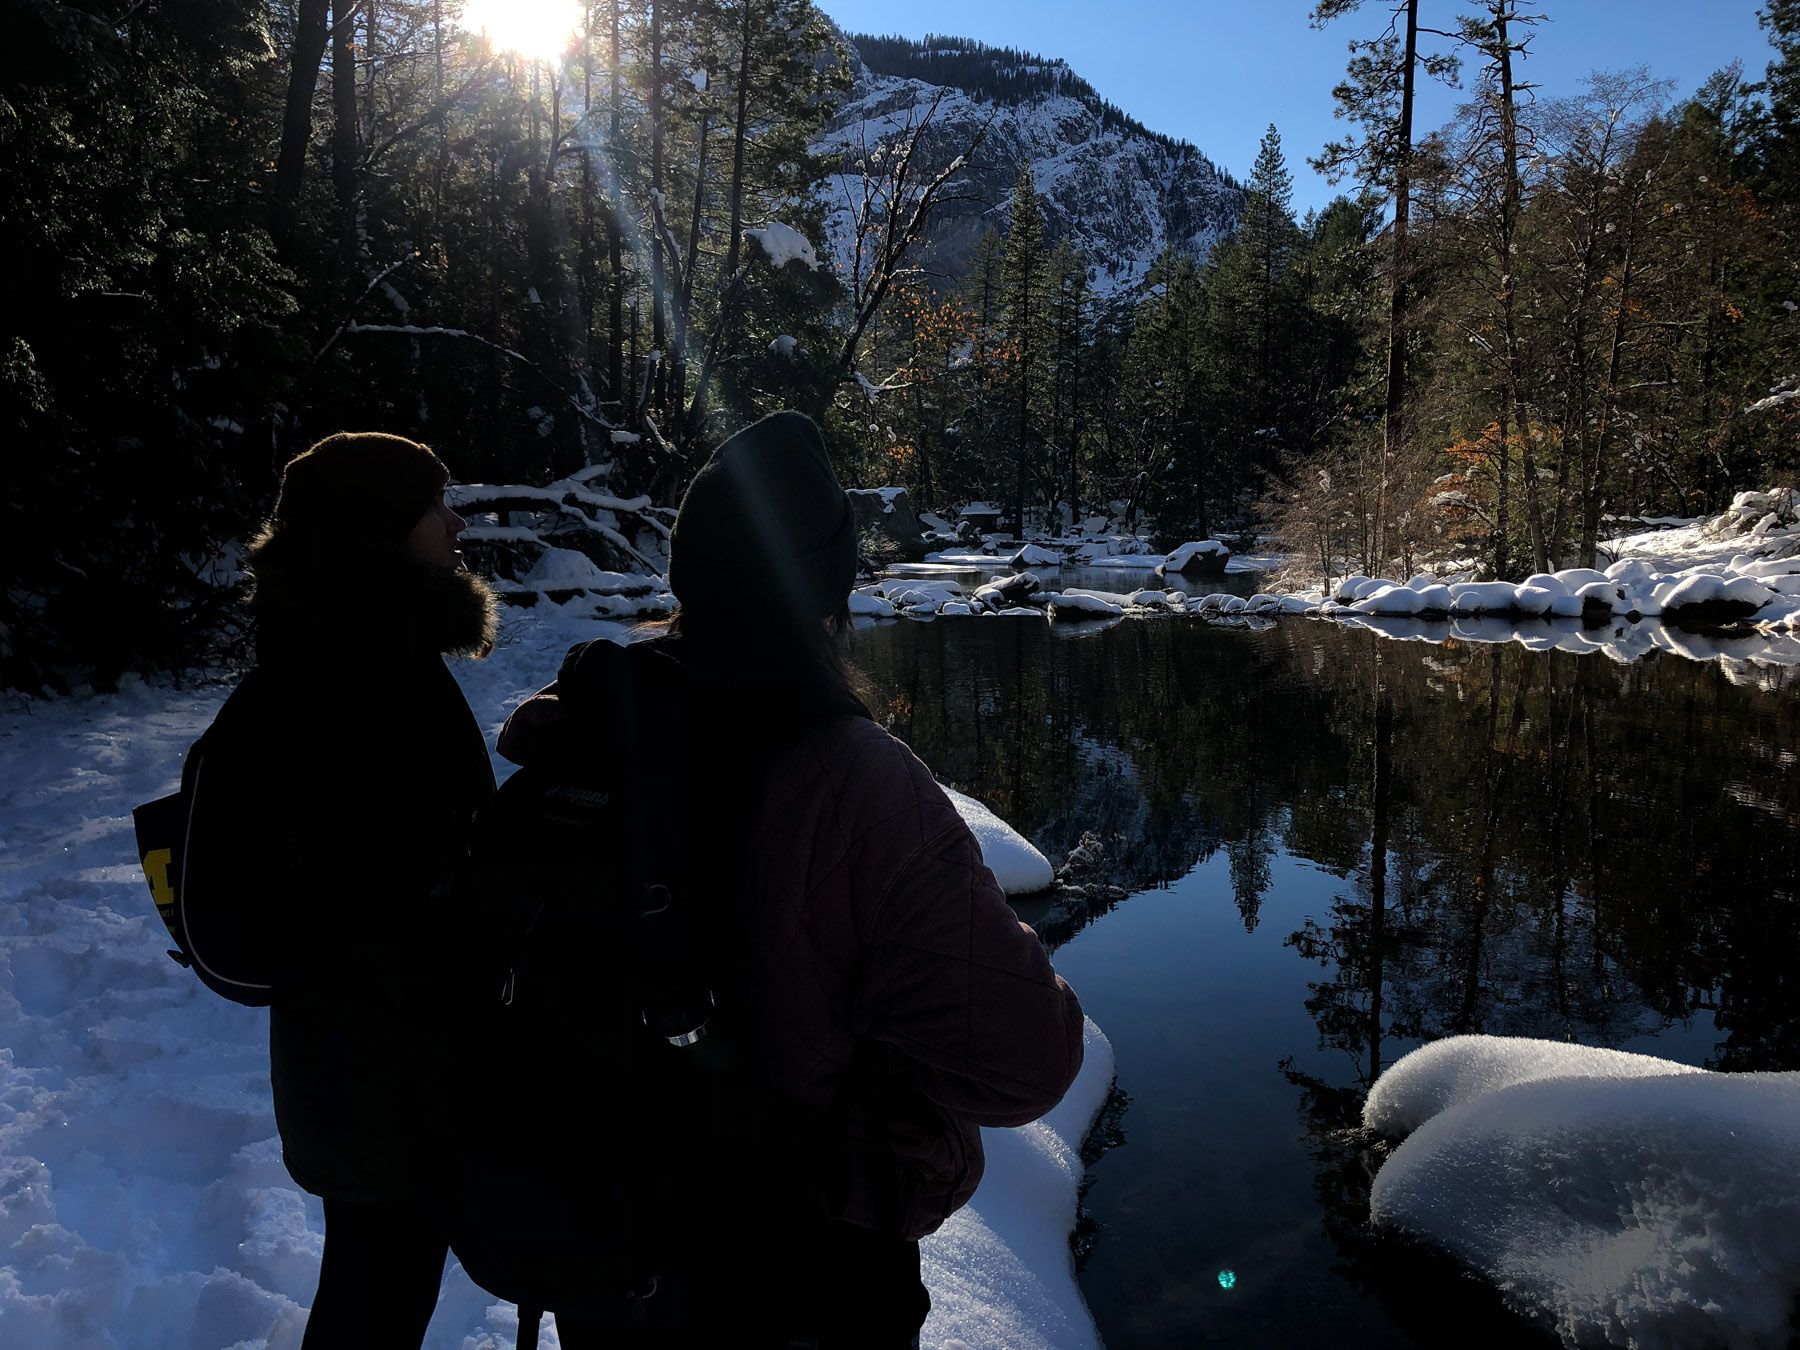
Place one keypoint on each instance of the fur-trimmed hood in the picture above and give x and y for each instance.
(310, 600)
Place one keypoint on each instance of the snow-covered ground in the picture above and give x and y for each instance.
(143, 1202)
(1618, 1198)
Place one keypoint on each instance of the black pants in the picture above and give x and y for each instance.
(853, 1290)
(379, 1278)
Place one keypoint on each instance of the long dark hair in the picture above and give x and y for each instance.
(802, 668)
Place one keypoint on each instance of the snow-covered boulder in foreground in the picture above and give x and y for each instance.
(1621, 1199)
(999, 1270)
(1707, 597)
(1017, 866)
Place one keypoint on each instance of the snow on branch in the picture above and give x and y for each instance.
(1784, 393)
(568, 542)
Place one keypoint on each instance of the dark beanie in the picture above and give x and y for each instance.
(359, 485)
(766, 515)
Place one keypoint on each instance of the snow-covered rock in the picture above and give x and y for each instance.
(918, 596)
(1017, 866)
(1035, 555)
(1711, 597)
(1623, 1200)
(865, 603)
(1431, 597)
(887, 512)
(1631, 571)
(1072, 605)
(1199, 558)
(1609, 597)
(1008, 591)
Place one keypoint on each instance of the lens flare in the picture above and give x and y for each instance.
(538, 30)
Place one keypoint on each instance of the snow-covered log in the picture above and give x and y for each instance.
(568, 541)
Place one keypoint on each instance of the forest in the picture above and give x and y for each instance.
(237, 225)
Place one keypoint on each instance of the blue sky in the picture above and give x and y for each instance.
(1217, 72)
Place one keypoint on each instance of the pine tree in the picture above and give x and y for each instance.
(1023, 273)
(1379, 95)
(1267, 232)
(1164, 404)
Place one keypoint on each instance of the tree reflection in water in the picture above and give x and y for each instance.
(1526, 843)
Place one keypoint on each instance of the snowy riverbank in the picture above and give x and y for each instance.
(142, 1199)
(1723, 589)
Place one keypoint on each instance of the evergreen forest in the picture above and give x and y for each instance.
(234, 226)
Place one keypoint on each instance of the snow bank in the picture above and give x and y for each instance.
(1017, 866)
(1738, 571)
(1000, 1270)
(1622, 1199)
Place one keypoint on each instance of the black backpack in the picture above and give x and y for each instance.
(197, 916)
(637, 1143)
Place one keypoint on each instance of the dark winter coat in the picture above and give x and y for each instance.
(888, 990)
(337, 787)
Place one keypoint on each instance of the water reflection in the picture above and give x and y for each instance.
(1336, 847)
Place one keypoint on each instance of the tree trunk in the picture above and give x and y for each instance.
(658, 281)
(1509, 221)
(345, 138)
(740, 133)
(1393, 424)
(310, 31)
(615, 346)
(1593, 472)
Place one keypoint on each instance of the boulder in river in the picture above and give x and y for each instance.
(1197, 558)
(887, 513)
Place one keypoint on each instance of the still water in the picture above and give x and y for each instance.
(1325, 848)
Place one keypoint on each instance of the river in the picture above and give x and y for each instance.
(1327, 848)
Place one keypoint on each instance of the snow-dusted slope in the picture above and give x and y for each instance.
(1119, 192)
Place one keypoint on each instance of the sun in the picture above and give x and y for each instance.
(539, 30)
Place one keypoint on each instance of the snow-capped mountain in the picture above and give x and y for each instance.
(1118, 190)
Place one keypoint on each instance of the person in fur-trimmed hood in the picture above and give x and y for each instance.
(339, 784)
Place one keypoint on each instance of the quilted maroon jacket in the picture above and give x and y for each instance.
(889, 989)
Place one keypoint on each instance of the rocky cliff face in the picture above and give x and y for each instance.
(1119, 191)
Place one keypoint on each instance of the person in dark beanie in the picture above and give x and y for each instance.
(339, 782)
(886, 998)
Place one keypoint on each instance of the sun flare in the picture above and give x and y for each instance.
(539, 30)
